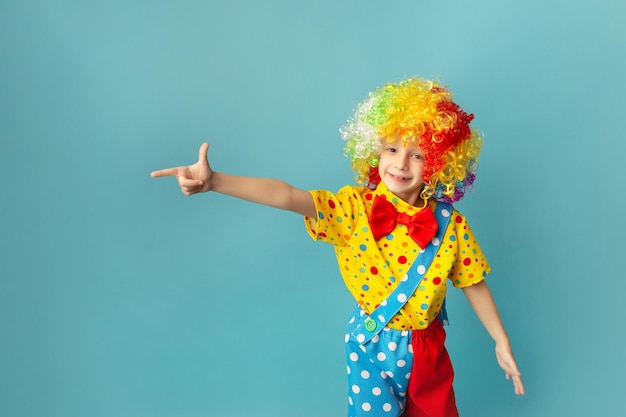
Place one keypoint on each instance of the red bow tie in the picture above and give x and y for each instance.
(383, 218)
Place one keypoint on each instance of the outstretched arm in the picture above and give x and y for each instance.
(481, 300)
(199, 177)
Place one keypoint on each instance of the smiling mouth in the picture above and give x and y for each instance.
(398, 177)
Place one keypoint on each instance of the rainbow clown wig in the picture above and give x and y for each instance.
(422, 113)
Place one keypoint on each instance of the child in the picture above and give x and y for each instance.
(397, 239)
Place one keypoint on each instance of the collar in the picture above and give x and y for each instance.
(399, 204)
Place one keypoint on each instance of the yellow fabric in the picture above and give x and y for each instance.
(371, 269)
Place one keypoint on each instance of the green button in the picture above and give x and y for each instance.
(370, 325)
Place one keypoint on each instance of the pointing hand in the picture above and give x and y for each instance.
(194, 178)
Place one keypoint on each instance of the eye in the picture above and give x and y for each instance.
(417, 156)
(391, 149)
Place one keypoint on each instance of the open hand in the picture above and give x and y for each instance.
(505, 358)
(194, 178)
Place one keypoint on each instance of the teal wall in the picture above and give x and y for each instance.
(119, 296)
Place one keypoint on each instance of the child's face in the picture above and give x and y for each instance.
(401, 168)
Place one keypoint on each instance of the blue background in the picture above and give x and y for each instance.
(119, 296)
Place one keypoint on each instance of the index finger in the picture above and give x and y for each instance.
(168, 172)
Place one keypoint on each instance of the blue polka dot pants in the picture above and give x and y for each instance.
(378, 373)
(399, 373)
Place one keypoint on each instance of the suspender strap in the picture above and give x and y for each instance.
(366, 327)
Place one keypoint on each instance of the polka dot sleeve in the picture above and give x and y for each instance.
(470, 266)
(335, 216)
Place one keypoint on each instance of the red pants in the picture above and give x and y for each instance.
(430, 392)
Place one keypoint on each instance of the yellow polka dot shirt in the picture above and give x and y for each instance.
(371, 269)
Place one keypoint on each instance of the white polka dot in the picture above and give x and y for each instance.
(387, 407)
(405, 278)
(376, 391)
(360, 338)
(381, 356)
(363, 348)
(381, 318)
(421, 269)
(390, 375)
(402, 298)
(347, 337)
(408, 376)
(435, 241)
(356, 389)
(365, 374)
(384, 303)
(411, 348)
(392, 346)
(348, 370)
(366, 407)
(401, 363)
(383, 375)
(375, 339)
(445, 213)
(405, 333)
(352, 320)
(350, 400)
(354, 357)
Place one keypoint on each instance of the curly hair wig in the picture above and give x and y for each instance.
(418, 112)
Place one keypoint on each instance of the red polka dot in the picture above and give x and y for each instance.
(368, 196)
(467, 261)
(374, 270)
(321, 234)
(437, 281)
(331, 203)
(459, 219)
(402, 259)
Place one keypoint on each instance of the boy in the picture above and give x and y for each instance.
(397, 241)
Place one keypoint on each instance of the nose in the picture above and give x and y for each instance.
(401, 161)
